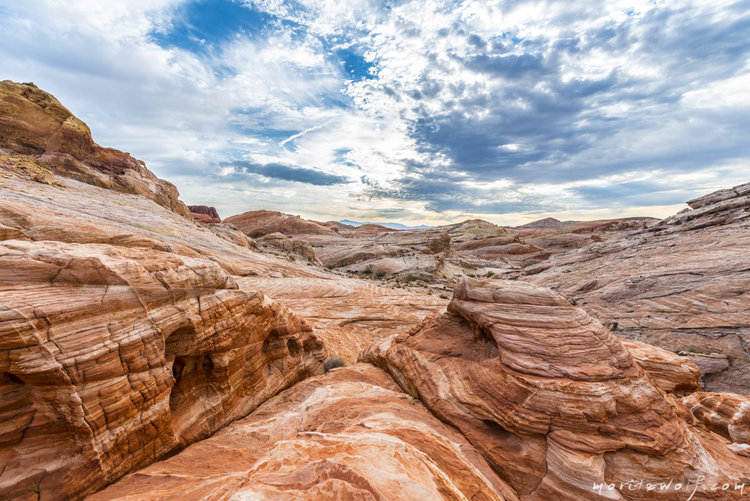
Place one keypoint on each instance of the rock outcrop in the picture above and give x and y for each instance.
(263, 222)
(727, 414)
(348, 314)
(290, 246)
(204, 214)
(39, 135)
(112, 357)
(557, 237)
(435, 256)
(351, 434)
(682, 284)
(553, 400)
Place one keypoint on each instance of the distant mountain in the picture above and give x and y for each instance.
(547, 222)
(393, 226)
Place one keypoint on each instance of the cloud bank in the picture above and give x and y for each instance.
(413, 111)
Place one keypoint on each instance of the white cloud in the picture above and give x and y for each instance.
(535, 103)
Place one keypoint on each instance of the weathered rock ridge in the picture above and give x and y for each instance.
(38, 135)
(553, 400)
(113, 357)
(682, 284)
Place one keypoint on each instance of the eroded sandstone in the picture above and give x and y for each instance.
(351, 434)
(39, 135)
(682, 284)
(551, 398)
(113, 357)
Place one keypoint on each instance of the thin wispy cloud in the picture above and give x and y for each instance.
(423, 111)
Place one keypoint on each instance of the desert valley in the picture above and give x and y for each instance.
(151, 350)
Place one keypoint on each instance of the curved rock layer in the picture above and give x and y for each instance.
(682, 284)
(74, 212)
(553, 400)
(724, 413)
(112, 357)
(351, 434)
(49, 137)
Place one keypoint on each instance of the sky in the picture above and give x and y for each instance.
(417, 112)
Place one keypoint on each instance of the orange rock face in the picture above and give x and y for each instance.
(552, 399)
(724, 413)
(112, 357)
(35, 124)
(351, 434)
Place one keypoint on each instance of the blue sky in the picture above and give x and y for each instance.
(411, 111)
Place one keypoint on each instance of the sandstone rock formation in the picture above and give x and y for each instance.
(438, 255)
(552, 399)
(682, 284)
(727, 414)
(113, 357)
(204, 214)
(38, 135)
(557, 237)
(351, 434)
(670, 372)
(128, 331)
(263, 222)
(289, 245)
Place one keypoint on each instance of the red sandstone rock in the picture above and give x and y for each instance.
(263, 222)
(551, 398)
(348, 314)
(672, 373)
(34, 123)
(112, 357)
(204, 214)
(727, 414)
(351, 434)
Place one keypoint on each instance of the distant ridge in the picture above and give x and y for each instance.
(547, 222)
(393, 226)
